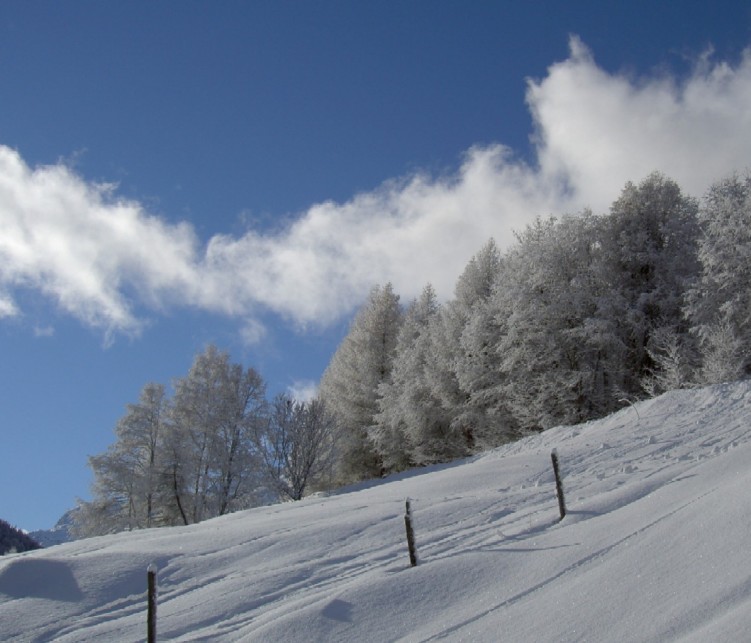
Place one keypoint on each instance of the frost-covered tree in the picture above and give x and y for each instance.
(182, 460)
(649, 250)
(406, 408)
(554, 353)
(578, 315)
(674, 357)
(723, 354)
(350, 384)
(127, 493)
(719, 305)
(454, 430)
(588, 305)
(296, 445)
(478, 369)
(141, 431)
(210, 459)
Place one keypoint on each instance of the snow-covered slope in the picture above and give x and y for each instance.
(656, 547)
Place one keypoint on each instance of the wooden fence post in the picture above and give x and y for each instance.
(558, 484)
(152, 590)
(410, 536)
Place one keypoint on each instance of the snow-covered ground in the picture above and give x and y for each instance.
(656, 547)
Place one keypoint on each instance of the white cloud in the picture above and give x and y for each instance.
(599, 130)
(303, 390)
(79, 245)
(108, 262)
(252, 332)
(44, 331)
(408, 232)
(8, 307)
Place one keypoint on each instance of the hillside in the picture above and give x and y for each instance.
(654, 548)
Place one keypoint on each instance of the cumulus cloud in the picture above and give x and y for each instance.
(110, 263)
(599, 130)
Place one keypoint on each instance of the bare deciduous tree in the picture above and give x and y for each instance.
(296, 445)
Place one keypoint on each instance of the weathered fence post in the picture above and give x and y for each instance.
(151, 618)
(410, 536)
(558, 484)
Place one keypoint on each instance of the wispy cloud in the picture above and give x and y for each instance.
(110, 263)
(88, 250)
(303, 390)
(8, 307)
(44, 331)
(252, 332)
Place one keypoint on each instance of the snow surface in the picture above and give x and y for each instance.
(655, 547)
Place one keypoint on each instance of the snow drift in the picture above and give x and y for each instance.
(654, 548)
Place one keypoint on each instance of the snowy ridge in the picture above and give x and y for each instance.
(654, 548)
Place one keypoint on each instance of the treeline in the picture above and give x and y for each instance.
(14, 540)
(580, 316)
(214, 447)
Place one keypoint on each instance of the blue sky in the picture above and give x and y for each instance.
(179, 173)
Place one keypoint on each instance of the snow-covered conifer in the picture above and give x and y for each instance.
(350, 384)
(453, 432)
(405, 406)
(649, 250)
(719, 305)
(554, 350)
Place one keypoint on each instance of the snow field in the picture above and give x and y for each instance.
(654, 548)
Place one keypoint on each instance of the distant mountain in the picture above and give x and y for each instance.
(59, 534)
(14, 540)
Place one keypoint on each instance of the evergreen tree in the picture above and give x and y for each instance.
(453, 431)
(649, 250)
(350, 387)
(553, 353)
(719, 305)
(479, 374)
(14, 541)
(405, 407)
